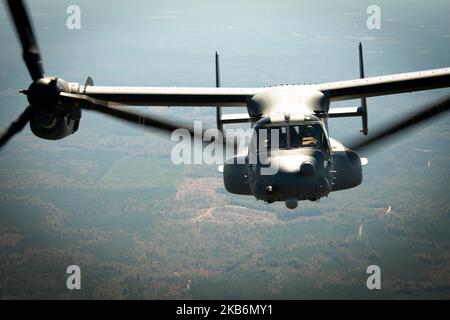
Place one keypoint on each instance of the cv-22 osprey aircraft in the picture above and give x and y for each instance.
(309, 163)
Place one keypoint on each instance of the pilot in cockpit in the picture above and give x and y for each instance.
(305, 136)
(294, 136)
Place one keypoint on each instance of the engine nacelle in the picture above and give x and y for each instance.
(51, 119)
(235, 176)
(54, 125)
(348, 170)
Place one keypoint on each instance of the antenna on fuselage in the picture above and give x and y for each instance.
(363, 107)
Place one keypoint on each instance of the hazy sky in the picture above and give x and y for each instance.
(171, 43)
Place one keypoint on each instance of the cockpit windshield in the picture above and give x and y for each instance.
(292, 136)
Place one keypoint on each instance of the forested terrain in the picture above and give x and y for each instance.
(141, 227)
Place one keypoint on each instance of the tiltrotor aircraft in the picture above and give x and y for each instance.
(309, 163)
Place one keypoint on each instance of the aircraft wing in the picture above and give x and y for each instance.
(235, 97)
(385, 85)
(170, 96)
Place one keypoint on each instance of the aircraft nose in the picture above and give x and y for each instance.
(297, 178)
(305, 167)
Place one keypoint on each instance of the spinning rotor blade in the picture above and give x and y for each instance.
(108, 108)
(16, 126)
(391, 130)
(30, 50)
